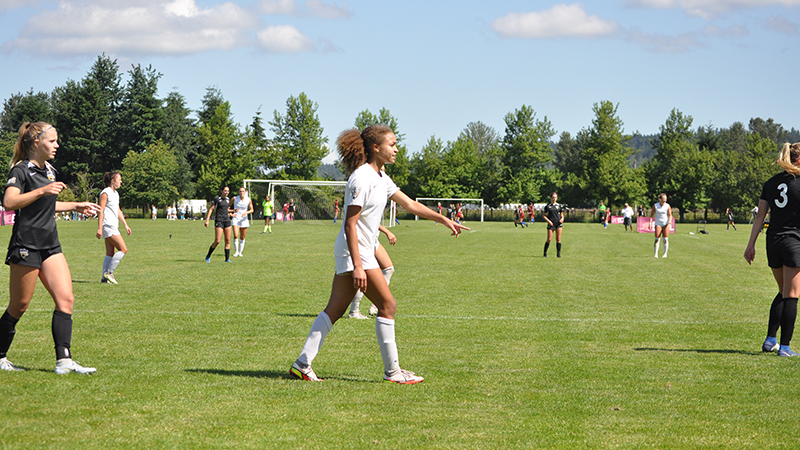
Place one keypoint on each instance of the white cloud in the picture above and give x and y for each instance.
(174, 27)
(311, 8)
(734, 31)
(284, 39)
(559, 21)
(708, 9)
(780, 24)
(662, 43)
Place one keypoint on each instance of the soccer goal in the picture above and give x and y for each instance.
(471, 208)
(313, 200)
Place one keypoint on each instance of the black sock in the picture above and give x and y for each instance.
(227, 254)
(7, 330)
(775, 313)
(62, 333)
(210, 251)
(787, 320)
(546, 246)
(558, 247)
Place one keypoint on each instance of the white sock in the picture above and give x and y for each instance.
(241, 246)
(316, 337)
(655, 247)
(112, 265)
(384, 331)
(666, 245)
(106, 262)
(236, 246)
(356, 303)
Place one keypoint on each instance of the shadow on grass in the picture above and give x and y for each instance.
(697, 350)
(297, 315)
(272, 374)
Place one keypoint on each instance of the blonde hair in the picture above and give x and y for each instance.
(28, 134)
(788, 158)
(355, 147)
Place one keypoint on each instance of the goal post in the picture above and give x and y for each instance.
(313, 200)
(471, 207)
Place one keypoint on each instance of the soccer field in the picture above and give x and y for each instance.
(605, 347)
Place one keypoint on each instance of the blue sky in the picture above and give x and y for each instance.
(435, 65)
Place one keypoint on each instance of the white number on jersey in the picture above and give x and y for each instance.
(784, 200)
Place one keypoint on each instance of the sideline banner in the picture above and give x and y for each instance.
(616, 220)
(7, 218)
(644, 225)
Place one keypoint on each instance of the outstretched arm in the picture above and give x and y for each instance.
(421, 210)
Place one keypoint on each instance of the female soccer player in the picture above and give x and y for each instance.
(268, 207)
(729, 213)
(34, 250)
(364, 154)
(387, 268)
(108, 226)
(242, 206)
(222, 223)
(781, 196)
(335, 210)
(662, 213)
(555, 222)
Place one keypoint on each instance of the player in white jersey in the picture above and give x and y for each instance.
(108, 226)
(242, 206)
(662, 214)
(364, 154)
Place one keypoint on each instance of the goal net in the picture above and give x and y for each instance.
(313, 200)
(471, 208)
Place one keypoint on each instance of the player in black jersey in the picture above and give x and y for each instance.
(34, 250)
(555, 220)
(222, 222)
(781, 197)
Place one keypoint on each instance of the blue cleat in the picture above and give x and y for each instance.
(768, 347)
(208, 259)
(787, 352)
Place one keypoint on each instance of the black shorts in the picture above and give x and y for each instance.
(555, 227)
(222, 223)
(31, 258)
(626, 221)
(783, 251)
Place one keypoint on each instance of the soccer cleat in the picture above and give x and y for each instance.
(373, 310)
(110, 277)
(303, 374)
(403, 377)
(67, 365)
(787, 352)
(768, 347)
(664, 255)
(357, 315)
(103, 280)
(208, 259)
(228, 260)
(5, 364)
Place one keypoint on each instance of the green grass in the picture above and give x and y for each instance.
(605, 347)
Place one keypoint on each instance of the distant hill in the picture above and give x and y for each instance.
(331, 172)
(644, 151)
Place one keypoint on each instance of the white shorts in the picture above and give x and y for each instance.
(241, 222)
(345, 264)
(109, 231)
(662, 225)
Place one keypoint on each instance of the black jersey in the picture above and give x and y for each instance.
(35, 224)
(782, 193)
(553, 212)
(221, 204)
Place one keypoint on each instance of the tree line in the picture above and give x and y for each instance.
(167, 151)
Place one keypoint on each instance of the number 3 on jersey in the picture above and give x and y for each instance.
(784, 200)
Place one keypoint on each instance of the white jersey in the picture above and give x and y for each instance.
(627, 212)
(240, 207)
(369, 190)
(110, 213)
(662, 214)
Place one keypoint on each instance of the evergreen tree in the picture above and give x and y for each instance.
(298, 140)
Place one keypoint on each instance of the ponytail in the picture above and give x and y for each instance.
(788, 158)
(355, 148)
(108, 176)
(28, 134)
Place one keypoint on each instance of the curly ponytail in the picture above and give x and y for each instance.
(355, 148)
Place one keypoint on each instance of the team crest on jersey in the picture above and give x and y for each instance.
(11, 181)
(50, 175)
(23, 253)
(356, 193)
